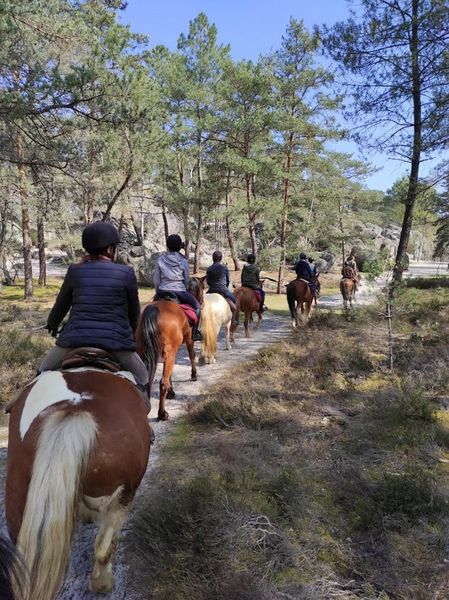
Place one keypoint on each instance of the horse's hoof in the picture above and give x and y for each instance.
(201, 361)
(194, 378)
(162, 415)
(171, 394)
(103, 584)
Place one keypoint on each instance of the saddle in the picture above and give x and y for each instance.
(172, 297)
(90, 357)
(189, 312)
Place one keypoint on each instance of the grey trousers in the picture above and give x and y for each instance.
(130, 361)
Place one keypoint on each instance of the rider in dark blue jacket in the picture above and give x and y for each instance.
(217, 278)
(303, 271)
(103, 300)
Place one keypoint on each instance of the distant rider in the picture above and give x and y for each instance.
(171, 274)
(304, 271)
(217, 278)
(316, 275)
(251, 278)
(103, 300)
(348, 272)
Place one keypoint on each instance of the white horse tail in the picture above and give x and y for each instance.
(208, 331)
(46, 531)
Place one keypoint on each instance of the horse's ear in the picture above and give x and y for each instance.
(202, 279)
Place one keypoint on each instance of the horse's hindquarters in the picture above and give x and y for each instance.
(94, 437)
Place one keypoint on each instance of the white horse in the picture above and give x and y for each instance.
(215, 314)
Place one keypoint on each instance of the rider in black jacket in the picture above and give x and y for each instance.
(103, 300)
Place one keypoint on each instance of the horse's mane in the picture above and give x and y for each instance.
(195, 286)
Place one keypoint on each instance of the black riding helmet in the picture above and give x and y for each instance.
(303, 256)
(174, 243)
(251, 258)
(98, 236)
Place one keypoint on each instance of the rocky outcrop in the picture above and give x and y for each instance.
(325, 262)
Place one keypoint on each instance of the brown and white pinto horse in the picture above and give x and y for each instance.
(248, 303)
(162, 329)
(347, 288)
(79, 442)
(299, 298)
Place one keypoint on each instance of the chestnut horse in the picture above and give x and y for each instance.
(299, 298)
(216, 313)
(248, 303)
(78, 447)
(347, 288)
(162, 329)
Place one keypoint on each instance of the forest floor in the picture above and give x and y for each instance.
(273, 478)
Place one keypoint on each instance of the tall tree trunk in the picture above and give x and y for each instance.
(199, 223)
(284, 219)
(199, 229)
(229, 234)
(416, 152)
(251, 215)
(90, 205)
(186, 225)
(26, 237)
(41, 247)
(342, 231)
(164, 219)
(137, 228)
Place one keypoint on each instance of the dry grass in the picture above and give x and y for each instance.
(311, 473)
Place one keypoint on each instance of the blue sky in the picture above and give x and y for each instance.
(251, 27)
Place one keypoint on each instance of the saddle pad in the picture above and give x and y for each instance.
(189, 312)
(258, 295)
(305, 280)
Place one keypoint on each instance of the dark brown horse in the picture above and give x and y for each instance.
(299, 298)
(162, 329)
(79, 442)
(248, 303)
(347, 288)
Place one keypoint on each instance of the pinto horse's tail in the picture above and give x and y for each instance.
(149, 338)
(208, 331)
(46, 531)
(291, 298)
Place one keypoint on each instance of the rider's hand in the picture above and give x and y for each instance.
(52, 330)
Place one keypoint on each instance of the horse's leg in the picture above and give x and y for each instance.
(191, 351)
(258, 320)
(228, 335)
(308, 308)
(171, 392)
(112, 516)
(164, 385)
(246, 324)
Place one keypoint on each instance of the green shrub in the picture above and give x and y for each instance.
(410, 493)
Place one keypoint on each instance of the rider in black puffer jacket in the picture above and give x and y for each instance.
(103, 300)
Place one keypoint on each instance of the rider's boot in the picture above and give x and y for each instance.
(233, 308)
(196, 333)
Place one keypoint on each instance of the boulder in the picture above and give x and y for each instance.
(325, 262)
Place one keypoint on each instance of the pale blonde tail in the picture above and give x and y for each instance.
(45, 535)
(208, 331)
